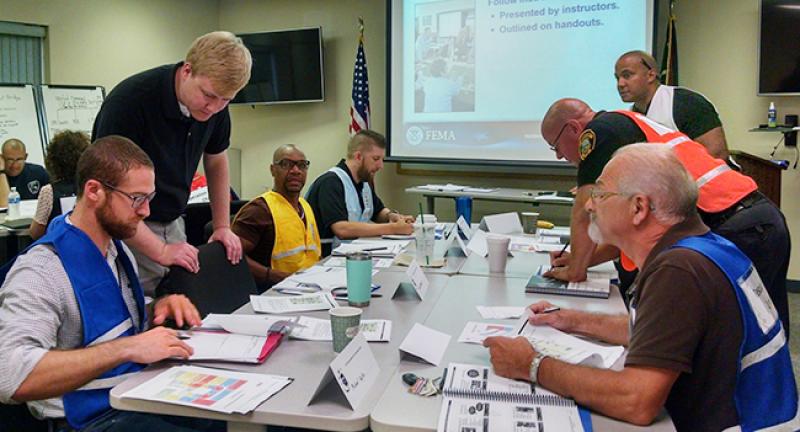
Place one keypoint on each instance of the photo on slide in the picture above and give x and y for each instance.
(444, 56)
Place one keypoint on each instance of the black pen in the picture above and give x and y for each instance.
(374, 249)
(564, 249)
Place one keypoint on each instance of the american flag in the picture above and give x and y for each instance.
(359, 106)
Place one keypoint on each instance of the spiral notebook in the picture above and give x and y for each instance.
(595, 286)
(475, 399)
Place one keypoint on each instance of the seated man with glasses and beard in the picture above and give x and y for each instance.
(278, 230)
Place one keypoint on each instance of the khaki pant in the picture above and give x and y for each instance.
(150, 272)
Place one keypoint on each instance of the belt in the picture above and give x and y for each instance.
(714, 220)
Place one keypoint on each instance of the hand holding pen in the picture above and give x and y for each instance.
(558, 259)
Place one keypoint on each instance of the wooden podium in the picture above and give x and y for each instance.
(766, 174)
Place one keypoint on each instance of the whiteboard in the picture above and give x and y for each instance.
(19, 119)
(70, 107)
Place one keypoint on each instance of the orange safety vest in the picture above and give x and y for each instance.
(719, 186)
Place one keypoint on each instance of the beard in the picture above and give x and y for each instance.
(594, 232)
(117, 229)
(365, 175)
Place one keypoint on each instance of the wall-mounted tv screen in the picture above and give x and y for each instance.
(287, 67)
(779, 48)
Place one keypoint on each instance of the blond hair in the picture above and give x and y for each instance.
(221, 57)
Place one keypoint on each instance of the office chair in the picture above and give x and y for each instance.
(219, 286)
(17, 418)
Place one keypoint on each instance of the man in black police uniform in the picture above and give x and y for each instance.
(176, 114)
(27, 177)
(677, 108)
(588, 140)
(338, 196)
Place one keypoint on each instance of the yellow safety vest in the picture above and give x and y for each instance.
(297, 246)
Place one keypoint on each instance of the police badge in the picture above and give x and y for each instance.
(587, 141)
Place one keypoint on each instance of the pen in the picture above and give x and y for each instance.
(564, 249)
(550, 309)
(374, 249)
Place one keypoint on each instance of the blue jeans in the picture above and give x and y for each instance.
(129, 421)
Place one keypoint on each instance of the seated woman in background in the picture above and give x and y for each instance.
(62, 157)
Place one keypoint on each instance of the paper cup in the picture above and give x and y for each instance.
(529, 220)
(498, 253)
(345, 323)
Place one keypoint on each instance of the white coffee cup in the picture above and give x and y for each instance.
(529, 220)
(498, 252)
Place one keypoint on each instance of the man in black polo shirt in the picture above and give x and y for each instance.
(176, 114)
(677, 108)
(752, 222)
(28, 178)
(344, 199)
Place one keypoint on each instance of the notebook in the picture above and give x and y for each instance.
(593, 286)
(474, 398)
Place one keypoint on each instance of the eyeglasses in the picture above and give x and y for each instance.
(13, 160)
(288, 164)
(646, 65)
(137, 200)
(598, 194)
(554, 145)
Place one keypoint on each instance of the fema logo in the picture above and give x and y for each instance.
(414, 135)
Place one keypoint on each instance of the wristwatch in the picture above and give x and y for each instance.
(533, 373)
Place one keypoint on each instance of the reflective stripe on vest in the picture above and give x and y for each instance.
(720, 188)
(766, 394)
(297, 245)
(104, 313)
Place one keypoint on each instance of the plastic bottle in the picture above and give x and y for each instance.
(772, 116)
(13, 204)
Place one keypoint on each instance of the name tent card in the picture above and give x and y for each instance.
(464, 226)
(426, 344)
(355, 371)
(418, 279)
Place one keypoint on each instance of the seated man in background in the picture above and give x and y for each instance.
(729, 202)
(677, 108)
(724, 363)
(28, 178)
(73, 322)
(278, 230)
(344, 199)
(62, 157)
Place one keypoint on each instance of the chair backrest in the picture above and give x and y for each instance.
(219, 286)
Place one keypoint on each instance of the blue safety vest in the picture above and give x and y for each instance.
(766, 395)
(104, 314)
(355, 213)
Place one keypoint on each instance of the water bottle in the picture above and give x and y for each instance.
(772, 116)
(13, 204)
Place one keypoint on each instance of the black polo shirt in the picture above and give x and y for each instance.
(692, 113)
(145, 109)
(326, 197)
(29, 181)
(608, 131)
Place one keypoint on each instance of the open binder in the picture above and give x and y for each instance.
(474, 398)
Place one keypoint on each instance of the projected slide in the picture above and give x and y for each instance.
(472, 79)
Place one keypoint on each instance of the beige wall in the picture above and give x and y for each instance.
(102, 42)
(718, 53)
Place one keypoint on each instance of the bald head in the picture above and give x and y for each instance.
(13, 144)
(286, 150)
(648, 61)
(562, 126)
(636, 73)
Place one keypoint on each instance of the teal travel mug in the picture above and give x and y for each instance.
(359, 278)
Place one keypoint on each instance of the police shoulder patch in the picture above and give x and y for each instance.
(587, 141)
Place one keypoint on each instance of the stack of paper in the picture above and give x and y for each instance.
(547, 340)
(443, 188)
(319, 278)
(290, 304)
(316, 329)
(210, 389)
(237, 338)
(340, 261)
(377, 248)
